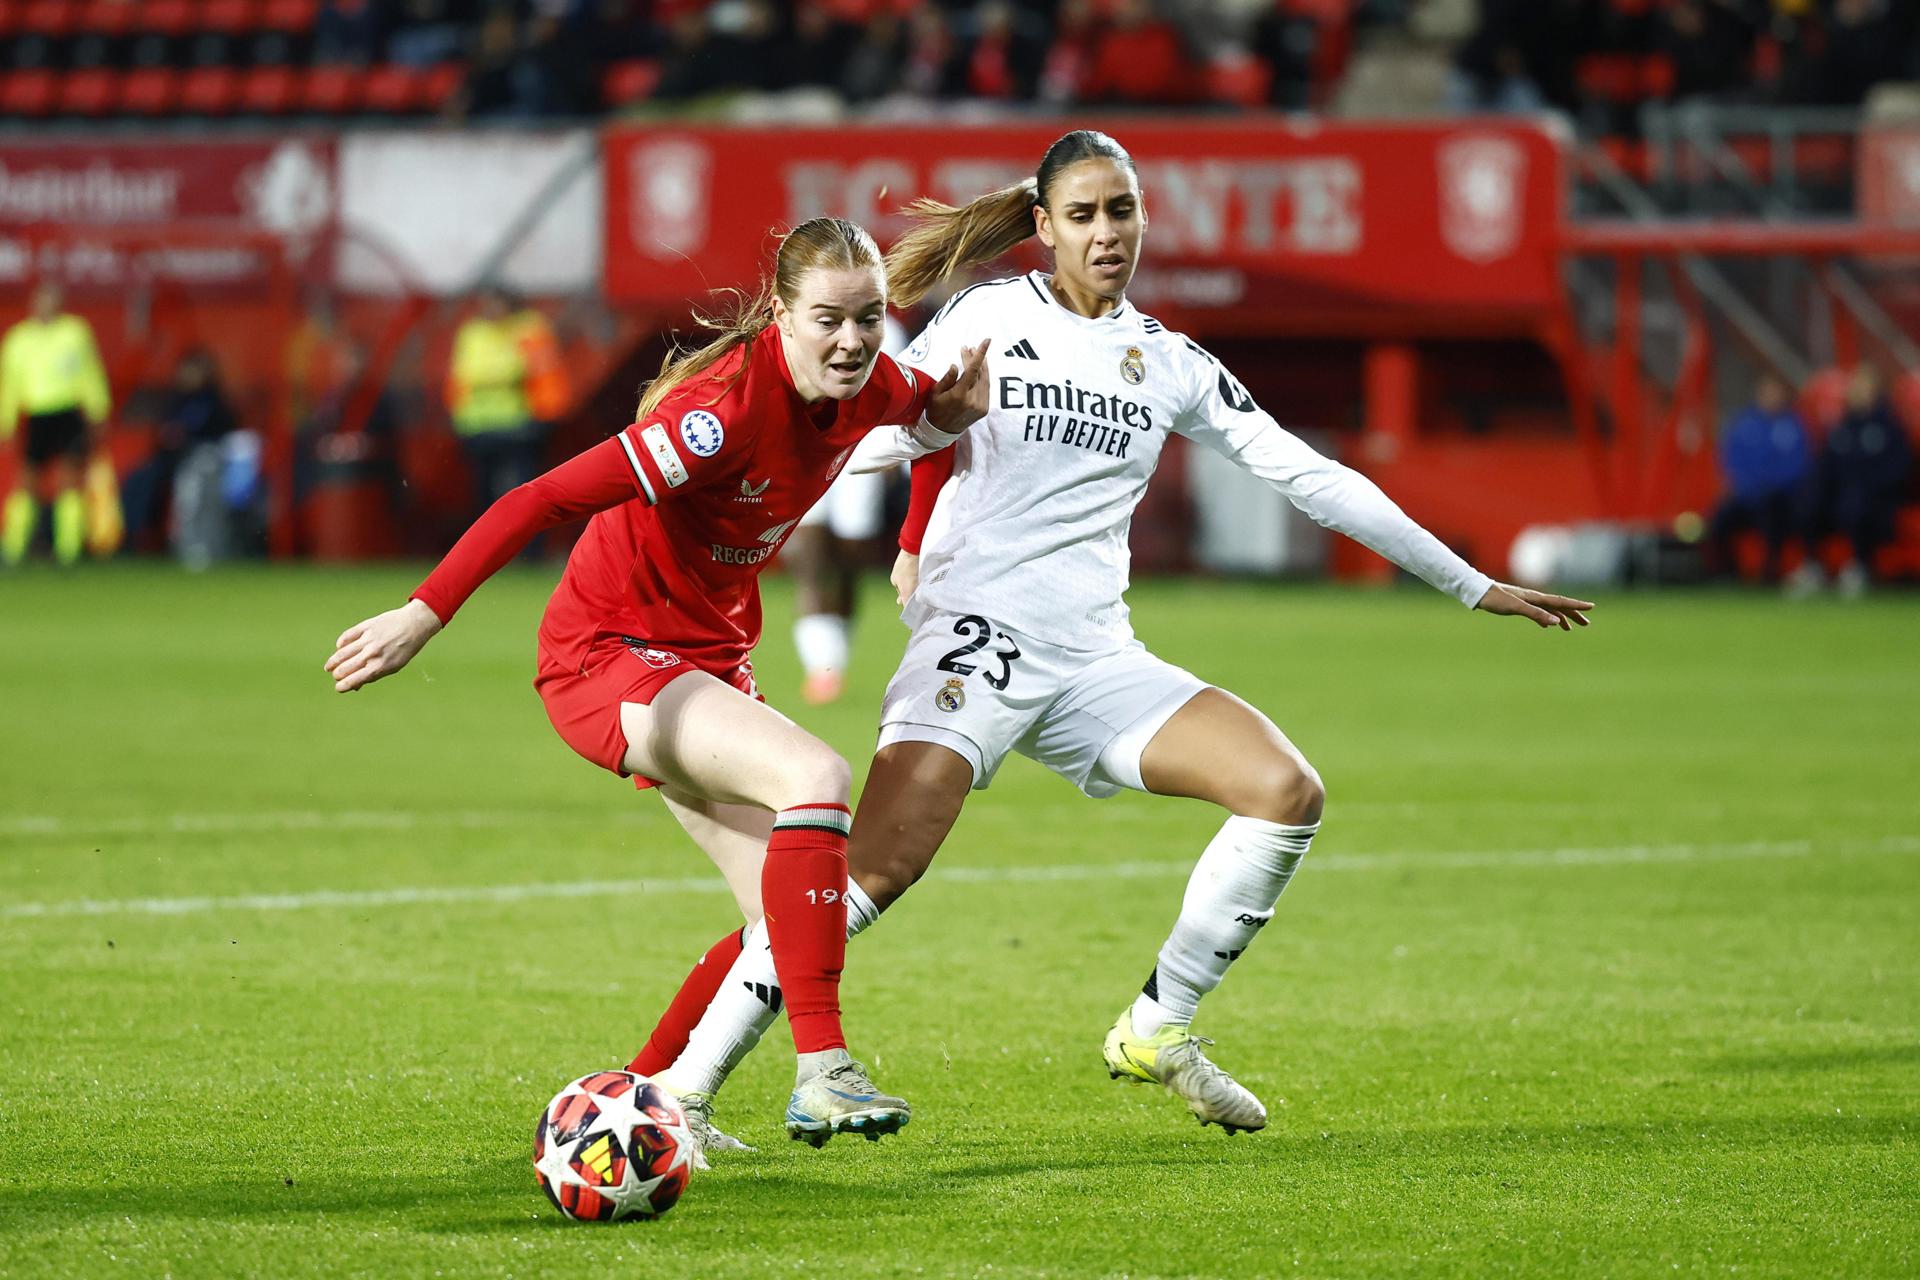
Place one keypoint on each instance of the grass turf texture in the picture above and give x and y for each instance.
(1485, 1055)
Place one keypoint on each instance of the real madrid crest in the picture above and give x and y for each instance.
(952, 695)
(1132, 367)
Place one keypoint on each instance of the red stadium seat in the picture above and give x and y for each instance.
(229, 17)
(295, 16)
(269, 91)
(630, 81)
(1241, 79)
(333, 91)
(394, 90)
(109, 17)
(210, 91)
(442, 82)
(28, 93)
(150, 91)
(92, 92)
(51, 18)
(168, 17)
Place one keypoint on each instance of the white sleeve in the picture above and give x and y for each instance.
(1225, 419)
(885, 447)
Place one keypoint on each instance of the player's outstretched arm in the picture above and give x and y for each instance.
(381, 645)
(1539, 607)
(960, 397)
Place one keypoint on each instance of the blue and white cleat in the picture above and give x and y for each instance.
(841, 1099)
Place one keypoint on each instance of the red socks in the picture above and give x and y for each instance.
(803, 889)
(669, 1038)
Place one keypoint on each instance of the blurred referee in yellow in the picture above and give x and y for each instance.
(50, 371)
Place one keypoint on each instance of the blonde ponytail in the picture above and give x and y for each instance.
(944, 241)
(819, 243)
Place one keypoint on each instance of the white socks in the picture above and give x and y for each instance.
(745, 1006)
(821, 639)
(1231, 894)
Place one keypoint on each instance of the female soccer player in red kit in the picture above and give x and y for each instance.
(643, 654)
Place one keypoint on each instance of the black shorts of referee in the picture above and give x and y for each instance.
(51, 436)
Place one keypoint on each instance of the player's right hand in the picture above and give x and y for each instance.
(960, 397)
(905, 576)
(380, 646)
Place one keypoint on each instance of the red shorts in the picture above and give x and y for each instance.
(584, 701)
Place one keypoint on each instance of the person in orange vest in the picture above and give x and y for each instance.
(50, 372)
(505, 387)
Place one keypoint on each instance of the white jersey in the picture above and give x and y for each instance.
(1032, 530)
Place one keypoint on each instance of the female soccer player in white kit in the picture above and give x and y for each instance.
(1021, 640)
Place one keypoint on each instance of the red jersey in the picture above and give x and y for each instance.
(688, 505)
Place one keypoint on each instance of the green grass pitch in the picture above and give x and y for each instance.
(1606, 964)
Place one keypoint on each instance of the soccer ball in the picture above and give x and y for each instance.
(612, 1145)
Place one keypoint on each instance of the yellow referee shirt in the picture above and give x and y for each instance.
(49, 367)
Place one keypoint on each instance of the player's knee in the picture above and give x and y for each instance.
(1286, 790)
(818, 776)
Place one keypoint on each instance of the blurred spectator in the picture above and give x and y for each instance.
(491, 88)
(1140, 58)
(1287, 39)
(504, 387)
(196, 418)
(1493, 70)
(1071, 53)
(1862, 479)
(348, 31)
(1766, 461)
(1863, 48)
(427, 32)
(320, 361)
(552, 76)
(1708, 44)
(872, 68)
(732, 45)
(932, 66)
(818, 47)
(50, 373)
(1003, 60)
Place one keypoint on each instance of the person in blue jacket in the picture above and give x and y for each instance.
(1767, 461)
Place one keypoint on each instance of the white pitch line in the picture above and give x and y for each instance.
(1614, 855)
(45, 827)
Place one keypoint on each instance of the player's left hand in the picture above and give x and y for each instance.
(1539, 607)
(380, 646)
(905, 576)
(960, 397)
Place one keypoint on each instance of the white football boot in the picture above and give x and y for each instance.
(841, 1099)
(1171, 1057)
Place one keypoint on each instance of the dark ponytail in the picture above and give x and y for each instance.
(943, 241)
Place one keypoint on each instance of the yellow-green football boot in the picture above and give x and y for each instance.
(1171, 1057)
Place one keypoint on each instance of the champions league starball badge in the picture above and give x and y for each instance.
(702, 433)
(1132, 367)
(951, 697)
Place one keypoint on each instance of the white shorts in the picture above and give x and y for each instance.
(983, 690)
(853, 507)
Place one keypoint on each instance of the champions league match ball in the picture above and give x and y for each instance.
(612, 1145)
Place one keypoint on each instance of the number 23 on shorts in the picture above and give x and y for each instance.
(980, 634)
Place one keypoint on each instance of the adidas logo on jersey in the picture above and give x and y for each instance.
(1022, 350)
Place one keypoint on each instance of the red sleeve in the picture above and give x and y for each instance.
(909, 391)
(592, 481)
(930, 475)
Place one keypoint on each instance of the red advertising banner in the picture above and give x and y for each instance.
(1254, 220)
(104, 214)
